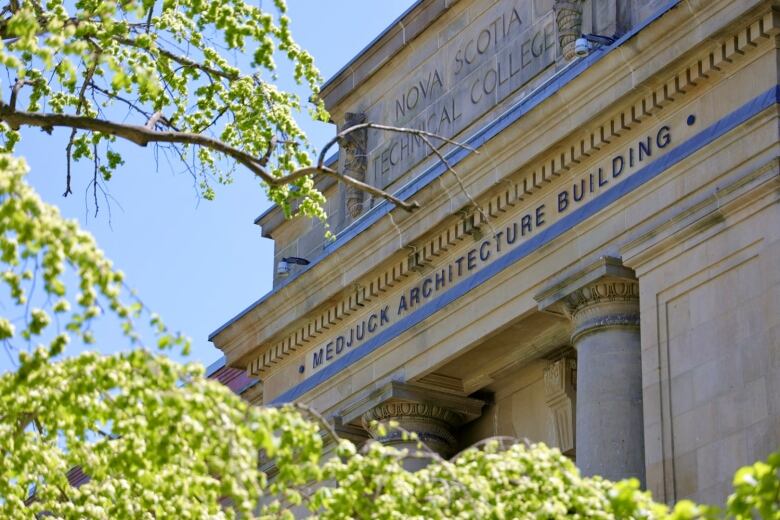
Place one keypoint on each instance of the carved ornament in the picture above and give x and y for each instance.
(568, 17)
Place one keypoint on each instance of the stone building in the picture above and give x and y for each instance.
(598, 269)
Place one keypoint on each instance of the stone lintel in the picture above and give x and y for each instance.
(556, 293)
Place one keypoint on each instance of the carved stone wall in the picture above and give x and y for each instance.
(354, 147)
(568, 16)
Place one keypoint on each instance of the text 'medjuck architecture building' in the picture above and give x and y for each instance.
(602, 274)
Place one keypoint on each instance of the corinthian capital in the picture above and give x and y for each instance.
(614, 290)
(431, 415)
(602, 304)
(603, 294)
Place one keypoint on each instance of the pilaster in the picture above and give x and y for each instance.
(560, 389)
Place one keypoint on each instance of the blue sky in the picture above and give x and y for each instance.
(195, 262)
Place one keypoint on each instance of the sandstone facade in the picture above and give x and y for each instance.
(603, 275)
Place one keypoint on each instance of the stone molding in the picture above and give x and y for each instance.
(560, 391)
(399, 409)
(716, 60)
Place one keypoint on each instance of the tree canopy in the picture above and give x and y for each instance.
(157, 439)
(196, 77)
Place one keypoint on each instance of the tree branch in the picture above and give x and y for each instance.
(181, 60)
(15, 90)
(459, 181)
(142, 136)
(133, 106)
(139, 135)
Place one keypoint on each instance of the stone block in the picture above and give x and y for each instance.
(715, 377)
(763, 438)
(756, 355)
(740, 408)
(694, 428)
(686, 475)
(684, 392)
(718, 460)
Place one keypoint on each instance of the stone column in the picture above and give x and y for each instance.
(433, 416)
(603, 304)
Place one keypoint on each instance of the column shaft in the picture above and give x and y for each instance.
(610, 429)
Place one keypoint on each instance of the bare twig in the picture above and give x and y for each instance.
(149, 18)
(397, 129)
(95, 178)
(82, 100)
(460, 182)
(346, 179)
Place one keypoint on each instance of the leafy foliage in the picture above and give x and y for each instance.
(38, 246)
(757, 490)
(164, 67)
(159, 440)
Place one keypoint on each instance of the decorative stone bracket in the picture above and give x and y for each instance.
(560, 390)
